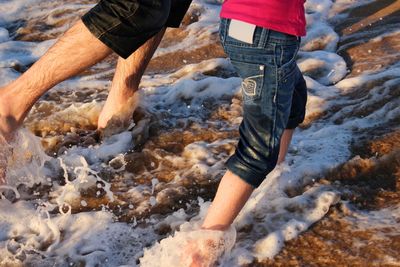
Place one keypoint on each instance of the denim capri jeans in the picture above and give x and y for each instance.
(274, 98)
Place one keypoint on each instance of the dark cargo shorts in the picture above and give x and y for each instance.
(125, 25)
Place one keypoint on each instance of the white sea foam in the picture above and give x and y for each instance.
(4, 36)
(12, 10)
(189, 246)
(29, 233)
(326, 67)
(321, 36)
(7, 75)
(14, 53)
(26, 165)
(199, 33)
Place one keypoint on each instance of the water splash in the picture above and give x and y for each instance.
(190, 246)
(25, 159)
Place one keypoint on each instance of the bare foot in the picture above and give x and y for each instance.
(116, 115)
(9, 123)
(203, 253)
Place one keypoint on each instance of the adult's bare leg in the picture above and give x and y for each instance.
(123, 97)
(75, 51)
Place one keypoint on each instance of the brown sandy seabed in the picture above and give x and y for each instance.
(371, 182)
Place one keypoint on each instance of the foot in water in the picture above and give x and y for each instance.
(206, 251)
(9, 122)
(116, 115)
(201, 255)
(8, 126)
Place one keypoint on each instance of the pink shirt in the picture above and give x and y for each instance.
(280, 15)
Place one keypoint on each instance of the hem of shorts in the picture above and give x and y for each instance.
(102, 37)
(120, 52)
(173, 25)
(90, 26)
(250, 177)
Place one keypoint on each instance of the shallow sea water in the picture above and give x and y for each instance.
(74, 198)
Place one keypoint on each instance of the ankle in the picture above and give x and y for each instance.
(10, 117)
(5, 104)
(216, 227)
(123, 94)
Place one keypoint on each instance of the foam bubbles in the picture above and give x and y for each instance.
(190, 246)
(25, 165)
(325, 67)
(4, 36)
(320, 37)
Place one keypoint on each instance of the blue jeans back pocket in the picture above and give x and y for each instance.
(253, 80)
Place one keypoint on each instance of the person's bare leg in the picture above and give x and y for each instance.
(233, 193)
(231, 196)
(284, 145)
(123, 97)
(75, 51)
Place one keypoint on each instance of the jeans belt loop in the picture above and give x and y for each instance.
(226, 29)
(263, 37)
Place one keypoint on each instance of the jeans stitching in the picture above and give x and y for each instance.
(225, 30)
(263, 40)
(274, 103)
(273, 134)
(281, 59)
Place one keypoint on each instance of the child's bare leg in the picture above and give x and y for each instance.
(233, 193)
(285, 142)
(231, 196)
